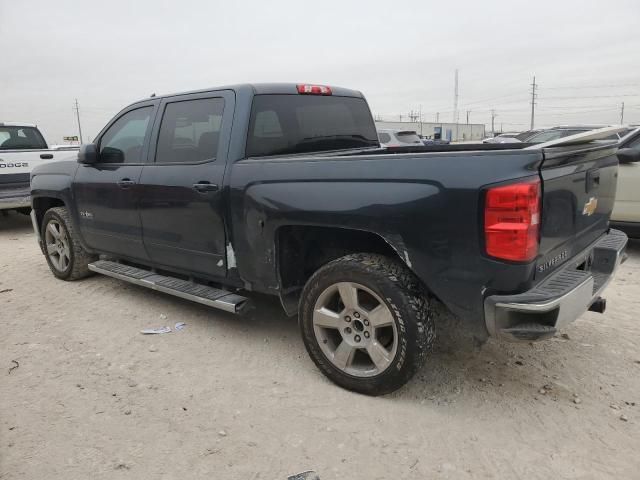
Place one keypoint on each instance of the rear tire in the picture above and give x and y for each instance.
(66, 257)
(366, 323)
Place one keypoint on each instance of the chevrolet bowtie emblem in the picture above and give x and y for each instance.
(590, 207)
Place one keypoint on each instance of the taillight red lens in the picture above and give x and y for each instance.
(314, 89)
(512, 221)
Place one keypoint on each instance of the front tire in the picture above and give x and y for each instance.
(66, 257)
(366, 323)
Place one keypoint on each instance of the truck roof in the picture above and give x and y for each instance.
(264, 89)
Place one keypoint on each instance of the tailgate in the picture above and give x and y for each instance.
(579, 187)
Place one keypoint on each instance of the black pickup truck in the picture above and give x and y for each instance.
(284, 189)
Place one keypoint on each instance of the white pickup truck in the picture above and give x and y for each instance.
(22, 147)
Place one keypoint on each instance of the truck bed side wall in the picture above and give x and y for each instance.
(426, 206)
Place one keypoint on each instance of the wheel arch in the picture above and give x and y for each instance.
(302, 249)
(40, 205)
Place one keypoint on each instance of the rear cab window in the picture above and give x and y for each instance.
(384, 137)
(283, 124)
(21, 138)
(408, 138)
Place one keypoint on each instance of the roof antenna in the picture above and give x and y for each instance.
(153, 95)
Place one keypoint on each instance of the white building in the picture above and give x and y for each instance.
(446, 131)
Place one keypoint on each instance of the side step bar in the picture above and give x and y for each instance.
(213, 297)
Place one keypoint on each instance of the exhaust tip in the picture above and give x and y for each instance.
(599, 305)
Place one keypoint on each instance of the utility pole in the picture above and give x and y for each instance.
(420, 119)
(401, 117)
(493, 117)
(455, 98)
(534, 95)
(468, 113)
(77, 109)
(455, 104)
(437, 117)
(622, 113)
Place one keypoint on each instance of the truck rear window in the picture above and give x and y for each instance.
(290, 124)
(21, 138)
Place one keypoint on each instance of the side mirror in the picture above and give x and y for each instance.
(629, 155)
(88, 154)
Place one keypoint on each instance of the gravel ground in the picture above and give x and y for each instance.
(238, 398)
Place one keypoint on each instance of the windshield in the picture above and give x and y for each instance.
(525, 135)
(289, 124)
(545, 136)
(21, 138)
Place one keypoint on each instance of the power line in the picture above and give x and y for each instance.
(594, 96)
(620, 85)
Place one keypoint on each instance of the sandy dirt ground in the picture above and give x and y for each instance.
(238, 398)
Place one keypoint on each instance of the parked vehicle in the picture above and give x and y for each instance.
(398, 138)
(22, 147)
(434, 141)
(503, 138)
(566, 131)
(626, 211)
(283, 189)
(514, 137)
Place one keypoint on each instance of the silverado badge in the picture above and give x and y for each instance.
(590, 207)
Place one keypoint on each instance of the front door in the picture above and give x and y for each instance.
(181, 197)
(106, 192)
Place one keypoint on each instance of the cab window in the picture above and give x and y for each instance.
(123, 142)
(190, 131)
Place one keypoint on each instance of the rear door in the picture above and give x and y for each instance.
(106, 193)
(182, 199)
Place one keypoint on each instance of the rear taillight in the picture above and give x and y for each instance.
(313, 89)
(512, 221)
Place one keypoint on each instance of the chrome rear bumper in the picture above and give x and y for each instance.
(560, 298)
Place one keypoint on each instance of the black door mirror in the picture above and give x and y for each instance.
(88, 154)
(629, 155)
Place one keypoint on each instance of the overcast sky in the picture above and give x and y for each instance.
(400, 54)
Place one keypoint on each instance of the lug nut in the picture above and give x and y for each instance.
(347, 319)
(357, 338)
(356, 314)
(366, 322)
(347, 330)
(366, 334)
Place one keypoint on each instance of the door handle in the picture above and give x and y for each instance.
(46, 156)
(203, 187)
(126, 183)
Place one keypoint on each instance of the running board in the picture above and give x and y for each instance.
(213, 297)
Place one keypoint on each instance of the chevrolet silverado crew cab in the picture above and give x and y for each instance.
(22, 147)
(284, 189)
